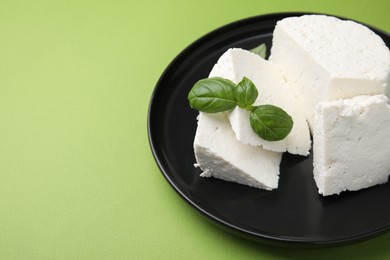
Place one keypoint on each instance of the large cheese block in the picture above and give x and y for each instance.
(237, 63)
(220, 155)
(325, 58)
(351, 144)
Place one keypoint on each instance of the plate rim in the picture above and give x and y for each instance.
(231, 228)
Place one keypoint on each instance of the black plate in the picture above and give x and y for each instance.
(294, 214)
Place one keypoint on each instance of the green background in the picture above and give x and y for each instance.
(77, 176)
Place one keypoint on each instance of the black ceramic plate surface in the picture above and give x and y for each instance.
(294, 214)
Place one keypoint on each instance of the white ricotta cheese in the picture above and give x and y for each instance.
(236, 63)
(325, 58)
(220, 155)
(351, 144)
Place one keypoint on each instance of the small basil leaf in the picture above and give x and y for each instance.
(260, 50)
(213, 95)
(246, 93)
(270, 122)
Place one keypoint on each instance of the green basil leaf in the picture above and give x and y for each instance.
(246, 93)
(213, 95)
(260, 50)
(270, 122)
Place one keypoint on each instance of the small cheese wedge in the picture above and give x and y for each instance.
(220, 155)
(351, 144)
(237, 63)
(325, 58)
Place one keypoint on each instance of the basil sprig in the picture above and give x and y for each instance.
(213, 95)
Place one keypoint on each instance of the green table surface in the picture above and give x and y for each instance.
(77, 176)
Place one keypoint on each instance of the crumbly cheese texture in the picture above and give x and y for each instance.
(351, 144)
(220, 155)
(237, 63)
(325, 58)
